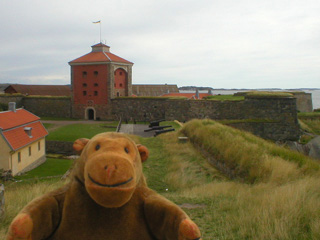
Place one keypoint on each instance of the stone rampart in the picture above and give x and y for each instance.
(6, 98)
(48, 106)
(271, 118)
(304, 101)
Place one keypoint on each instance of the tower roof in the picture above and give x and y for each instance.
(100, 54)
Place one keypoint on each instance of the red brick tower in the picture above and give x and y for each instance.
(96, 78)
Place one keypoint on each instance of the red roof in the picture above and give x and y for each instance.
(13, 126)
(18, 138)
(187, 95)
(100, 54)
(100, 57)
(10, 119)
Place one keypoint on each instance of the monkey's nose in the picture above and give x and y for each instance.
(110, 170)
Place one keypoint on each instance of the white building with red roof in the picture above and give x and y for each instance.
(22, 140)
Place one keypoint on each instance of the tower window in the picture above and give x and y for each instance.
(84, 93)
(120, 84)
(84, 85)
(96, 93)
(96, 84)
(19, 157)
(39, 146)
(95, 73)
(29, 151)
(84, 74)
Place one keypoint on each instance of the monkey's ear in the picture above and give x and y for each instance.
(79, 144)
(144, 152)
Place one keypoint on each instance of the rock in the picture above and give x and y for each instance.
(314, 147)
(1, 201)
(296, 147)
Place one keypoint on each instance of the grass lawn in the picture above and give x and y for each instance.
(283, 203)
(51, 168)
(48, 125)
(72, 132)
(225, 98)
(309, 115)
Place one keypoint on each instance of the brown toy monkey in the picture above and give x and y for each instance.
(106, 199)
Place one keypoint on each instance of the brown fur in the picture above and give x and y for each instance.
(107, 198)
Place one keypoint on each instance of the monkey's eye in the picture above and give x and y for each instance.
(97, 147)
(126, 150)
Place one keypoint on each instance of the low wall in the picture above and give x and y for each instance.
(60, 147)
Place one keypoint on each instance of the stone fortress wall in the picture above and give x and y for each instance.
(270, 118)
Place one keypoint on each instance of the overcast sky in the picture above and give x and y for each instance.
(216, 43)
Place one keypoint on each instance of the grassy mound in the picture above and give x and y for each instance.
(247, 157)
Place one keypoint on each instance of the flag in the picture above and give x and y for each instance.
(97, 21)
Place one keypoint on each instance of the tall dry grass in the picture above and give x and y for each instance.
(247, 156)
(18, 195)
(285, 205)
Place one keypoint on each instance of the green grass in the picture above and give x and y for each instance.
(48, 125)
(309, 115)
(58, 119)
(225, 98)
(72, 132)
(282, 206)
(265, 94)
(313, 125)
(174, 125)
(226, 122)
(51, 168)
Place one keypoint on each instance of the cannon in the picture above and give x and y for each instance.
(157, 132)
(156, 128)
(156, 123)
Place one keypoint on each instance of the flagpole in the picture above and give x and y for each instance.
(100, 28)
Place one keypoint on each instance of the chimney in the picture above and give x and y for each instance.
(197, 94)
(12, 106)
(28, 131)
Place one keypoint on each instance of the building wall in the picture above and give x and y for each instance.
(101, 112)
(120, 83)
(90, 83)
(36, 158)
(4, 154)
